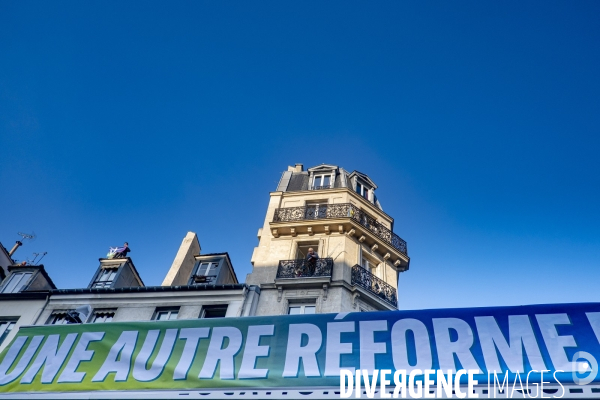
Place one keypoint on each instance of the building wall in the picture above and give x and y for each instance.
(26, 310)
(140, 306)
(344, 249)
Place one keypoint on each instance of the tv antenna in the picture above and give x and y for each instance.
(27, 235)
(36, 261)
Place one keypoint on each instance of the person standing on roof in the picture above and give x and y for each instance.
(122, 251)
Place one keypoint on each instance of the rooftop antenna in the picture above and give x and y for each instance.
(36, 260)
(19, 243)
(27, 235)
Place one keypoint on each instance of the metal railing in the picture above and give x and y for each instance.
(343, 210)
(373, 284)
(305, 269)
(320, 187)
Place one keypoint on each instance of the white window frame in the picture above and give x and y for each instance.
(104, 275)
(322, 177)
(168, 310)
(363, 189)
(16, 281)
(302, 305)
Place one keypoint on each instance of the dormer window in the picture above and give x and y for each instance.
(16, 282)
(115, 274)
(362, 190)
(322, 182)
(106, 277)
(212, 269)
(206, 272)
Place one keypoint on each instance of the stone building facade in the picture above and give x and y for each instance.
(336, 213)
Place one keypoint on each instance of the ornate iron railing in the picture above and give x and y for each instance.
(373, 284)
(320, 187)
(305, 269)
(344, 210)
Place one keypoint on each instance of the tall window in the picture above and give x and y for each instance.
(106, 277)
(322, 182)
(6, 325)
(166, 313)
(362, 190)
(16, 282)
(297, 309)
(207, 272)
(368, 265)
(100, 316)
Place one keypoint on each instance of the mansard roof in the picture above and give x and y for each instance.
(364, 177)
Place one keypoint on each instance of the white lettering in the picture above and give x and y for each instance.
(422, 345)
(368, 346)
(335, 347)
(140, 373)
(554, 343)
(252, 351)
(80, 353)
(118, 359)
(461, 347)
(192, 336)
(51, 357)
(225, 355)
(308, 353)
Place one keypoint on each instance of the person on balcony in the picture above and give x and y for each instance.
(311, 261)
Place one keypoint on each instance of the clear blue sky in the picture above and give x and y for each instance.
(140, 121)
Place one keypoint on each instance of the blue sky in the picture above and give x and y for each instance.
(140, 121)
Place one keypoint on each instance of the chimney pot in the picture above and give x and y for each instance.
(15, 247)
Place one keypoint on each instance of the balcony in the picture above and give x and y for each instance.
(322, 268)
(363, 278)
(344, 210)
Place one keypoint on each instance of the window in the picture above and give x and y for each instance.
(6, 326)
(297, 309)
(206, 272)
(58, 317)
(16, 282)
(362, 190)
(316, 209)
(302, 252)
(217, 311)
(166, 313)
(106, 277)
(100, 316)
(322, 182)
(368, 265)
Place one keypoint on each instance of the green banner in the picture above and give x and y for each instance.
(299, 350)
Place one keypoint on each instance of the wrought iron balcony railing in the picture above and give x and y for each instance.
(373, 284)
(344, 210)
(305, 269)
(320, 187)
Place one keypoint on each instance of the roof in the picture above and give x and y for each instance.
(297, 181)
(186, 288)
(40, 268)
(33, 295)
(3, 249)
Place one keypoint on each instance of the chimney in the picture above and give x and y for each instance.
(15, 247)
(296, 168)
